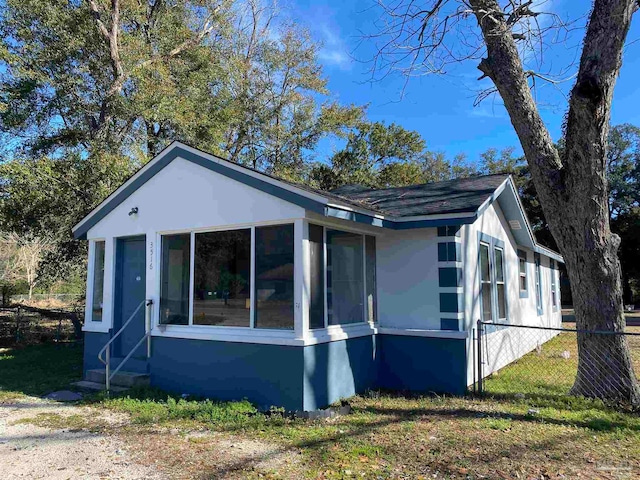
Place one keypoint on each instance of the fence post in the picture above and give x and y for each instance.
(479, 349)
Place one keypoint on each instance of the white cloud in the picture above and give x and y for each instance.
(334, 52)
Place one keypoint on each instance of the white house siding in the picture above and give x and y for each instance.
(182, 196)
(408, 292)
(507, 344)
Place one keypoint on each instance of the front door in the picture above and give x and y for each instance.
(130, 293)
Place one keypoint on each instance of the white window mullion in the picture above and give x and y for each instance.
(192, 255)
(365, 303)
(324, 270)
(252, 274)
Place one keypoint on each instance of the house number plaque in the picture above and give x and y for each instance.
(150, 255)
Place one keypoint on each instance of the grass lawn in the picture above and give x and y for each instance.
(38, 369)
(386, 436)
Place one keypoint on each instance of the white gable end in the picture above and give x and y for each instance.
(184, 196)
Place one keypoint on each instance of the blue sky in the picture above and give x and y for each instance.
(442, 108)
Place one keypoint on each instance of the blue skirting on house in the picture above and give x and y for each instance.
(423, 364)
(300, 378)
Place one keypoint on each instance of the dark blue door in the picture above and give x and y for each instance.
(130, 293)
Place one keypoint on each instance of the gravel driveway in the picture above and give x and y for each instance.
(30, 451)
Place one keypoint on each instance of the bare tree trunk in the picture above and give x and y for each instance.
(573, 190)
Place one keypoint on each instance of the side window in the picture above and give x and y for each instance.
(98, 282)
(485, 283)
(501, 294)
(538, 284)
(522, 274)
(554, 285)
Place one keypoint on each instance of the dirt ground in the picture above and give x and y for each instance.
(42, 439)
(28, 451)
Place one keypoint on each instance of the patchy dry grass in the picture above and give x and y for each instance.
(386, 436)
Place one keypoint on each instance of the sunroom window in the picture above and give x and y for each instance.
(222, 278)
(174, 278)
(98, 282)
(316, 263)
(274, 277)
(345, 277)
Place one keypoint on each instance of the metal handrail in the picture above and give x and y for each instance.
(147, 336)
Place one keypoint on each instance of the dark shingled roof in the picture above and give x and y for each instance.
(451, 196)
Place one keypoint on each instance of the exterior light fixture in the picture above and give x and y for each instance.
(134, 211)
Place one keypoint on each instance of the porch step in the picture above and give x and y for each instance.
(137, 365)
(120, 379)
(86, 385)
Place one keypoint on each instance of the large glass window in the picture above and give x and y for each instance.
(345, 277)
(316, 261)
(500, 286)
(222, 278)
(485, 283)
(98, 282)
(174, 277)
(370, 267)
(274, 277)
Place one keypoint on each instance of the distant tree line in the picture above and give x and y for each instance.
(92, 90)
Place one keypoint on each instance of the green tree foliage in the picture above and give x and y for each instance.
(378, 155)
(91, 90)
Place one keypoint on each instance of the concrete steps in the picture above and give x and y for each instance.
(86, 385)
(121, 381)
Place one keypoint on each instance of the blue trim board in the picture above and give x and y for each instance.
(262, 185)
(449, 277)
(450, 324)
(178, 151)
(451, 302)
(449, 230)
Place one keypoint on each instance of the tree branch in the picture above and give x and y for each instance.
(504, 66)
(590, 101)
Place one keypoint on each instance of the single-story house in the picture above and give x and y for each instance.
(242, 285)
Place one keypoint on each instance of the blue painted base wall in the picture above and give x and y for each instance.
(300, 378)
(93, 343)
(338, 370)
(422, 364)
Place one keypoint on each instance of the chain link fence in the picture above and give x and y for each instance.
(515, 360)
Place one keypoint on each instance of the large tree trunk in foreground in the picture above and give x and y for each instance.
(573, 189)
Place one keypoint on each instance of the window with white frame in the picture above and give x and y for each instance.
(538, 284)
(274, 277)
(501, 295)
(345, 277)
(486, 297)
(214, 284)
(174, 279)
(493, 288)
(554, 285)
(98, 281)
(317, 272)
(522, 272)
(345, 291)
(222, 278)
